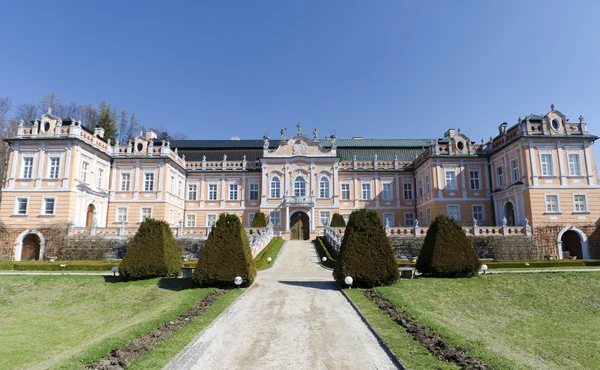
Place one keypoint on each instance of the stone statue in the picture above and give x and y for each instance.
(283, 133)
(266, 142)
(316, 134)
(580, 119)
(244, 158)
(552, 107)
(203, 158)
(299, 128)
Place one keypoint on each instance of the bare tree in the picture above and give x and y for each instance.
(27, 112)
(89, 115)
(50, 100)
(67, 111)
(5, 132)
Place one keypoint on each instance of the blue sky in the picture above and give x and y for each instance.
(380, 69)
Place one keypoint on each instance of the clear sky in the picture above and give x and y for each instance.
(380, 69)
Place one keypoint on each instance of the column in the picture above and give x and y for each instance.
(41, 157)
(561, 163)
(376, 182)
(243, 190)
(398, 193)
(356, 191)
(335, 186)
(223, 191)
(265, 181)
(439, 179)
(13, 169)
(285, 185)
(201, 186)
(67, 168)
(534, 174)
(136, 178)
(462, 179)
(161, 175)
(588, 164)
(287, 218)
(113, 187)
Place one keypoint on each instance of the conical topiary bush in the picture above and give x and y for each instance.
(225, 255)
(260, 220)
(152, 252)
(447, 251)
(337, 220)
(366, 254)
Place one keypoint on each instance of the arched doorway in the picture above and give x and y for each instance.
(509, 214)
(571, 245)
(299, 226)
(89, 216)
(30, 250)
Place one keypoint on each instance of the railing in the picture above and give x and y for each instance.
(296, 200)
(178, 232)
(260, 238)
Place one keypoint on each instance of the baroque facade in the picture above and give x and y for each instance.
(538, 171)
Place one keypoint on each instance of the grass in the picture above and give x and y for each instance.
(69, 322)
(160, 355)
(509, 321)
(323, 251)
(271, 250)
(408, 351)
(72, 265)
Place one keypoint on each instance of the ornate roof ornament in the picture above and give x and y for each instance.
(21, 123)
(266, 142)
(316, 134)
(49, 110)
(299, 126)
(551, 107)
(283, 133)
(580, 119)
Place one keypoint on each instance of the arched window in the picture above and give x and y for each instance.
(299, 187)
(324, 187)
(275, 188)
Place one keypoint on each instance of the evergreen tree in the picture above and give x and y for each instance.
(260, 220)
(337, 221)
(107, 121)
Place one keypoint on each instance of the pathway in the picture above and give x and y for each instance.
(294, 317)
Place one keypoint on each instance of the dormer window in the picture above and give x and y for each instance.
(555, 123)
(46, 126)
(140, 147)
(460, 145)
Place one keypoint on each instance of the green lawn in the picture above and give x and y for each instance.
(271, 250)
(70, 321)
(511, 321)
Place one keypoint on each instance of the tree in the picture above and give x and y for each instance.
(88, 115)
(152, 252)
(6, 131)
(447, 251)
(259, 220)
(225, 255)
(50, 100)
(27, 112)
(164, 136)
(366, 254)
(107, 122)
(337, 221)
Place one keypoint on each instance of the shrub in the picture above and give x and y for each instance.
(260, 220)
(447, 251)
(226, 255)
(152, 252)
(337, 220)
(322, 251)
(366, 254)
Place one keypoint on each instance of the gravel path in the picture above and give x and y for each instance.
(294, 317)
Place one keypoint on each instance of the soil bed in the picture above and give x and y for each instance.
(120, 357)
(430, 340)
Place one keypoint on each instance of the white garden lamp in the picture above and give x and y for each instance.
(238, 281)
(484, 268)
(269, 260)
(114, 270)
(348, 280)
(324, 259)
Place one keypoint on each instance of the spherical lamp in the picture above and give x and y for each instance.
(348, 280)
(238, 281)
(484, 268)
(269, 260)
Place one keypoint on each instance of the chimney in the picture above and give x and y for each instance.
(150, 135)
(99, 131)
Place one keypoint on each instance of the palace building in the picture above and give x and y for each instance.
(537, 172)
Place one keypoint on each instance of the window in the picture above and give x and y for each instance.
(54, 168)
(547, 168)
(427, 185)
(552, 203)
(451, 183)
(514, 170)
(49, 205)
(580, 203)
(171, 216)
(574, 165)
(190, 220)
(324, 218)
(275, 188)
(474, 180)
(388, 219)
(192, 191)
(421, 216)
(233, 192)
(253, 191)
(409, 219)
(121, 214)
(211, 220)
(408, 190)
(172, 185)
(100, 178)
(345, 191)
(146, 213)
(299, 187)
(275, 218)
(499, 176)
(428, 216)
(212, 191)
(555, 124)
(366, 191)
(85, 172)
(324, 187)
(251, 218)
(27, 168)
(21, 206)
(148, 182)
(420, 188)
(179, 187)
(453, 211)
(478, 213)
(387, 191)
(125, 181)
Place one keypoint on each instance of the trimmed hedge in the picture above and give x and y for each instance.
(226, 255)
(534, 264)
(273, 247)
(153, 252)
(337, 221)
(366, 254)
(322, 251)
(447, 251)
(104, 265)
(260, 220)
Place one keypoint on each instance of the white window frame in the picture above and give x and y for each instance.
(172, 216)
(420, 188)
(499, 176)
(585, 203)
(192, 189)
(54, 170)
(211, 219)
(85, 172)
(179, 188)
(253, 189)
(578, 171)
(299, 186)
(409, 221)
(192, 218)
(118, 215)
(148, 182)
(457, 206)
(387, 194)
(44, 204)
(546, 203)
(366, 191)
(142, 213)
(100, 178)
(251, 218)
(124, 182)
(275, 217)
(514, 170)
(27, 171)
(482, 212)
(407, 191)
(476, 179)
(275, 191)
(345, 192)
(180, 218)
(16, 210)
(172, 185)
(324, 218)
(550, 165)
(213, 195)
(324, 187)
(233, 191)
(390, 216)
(451, 183)
(427, 185)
